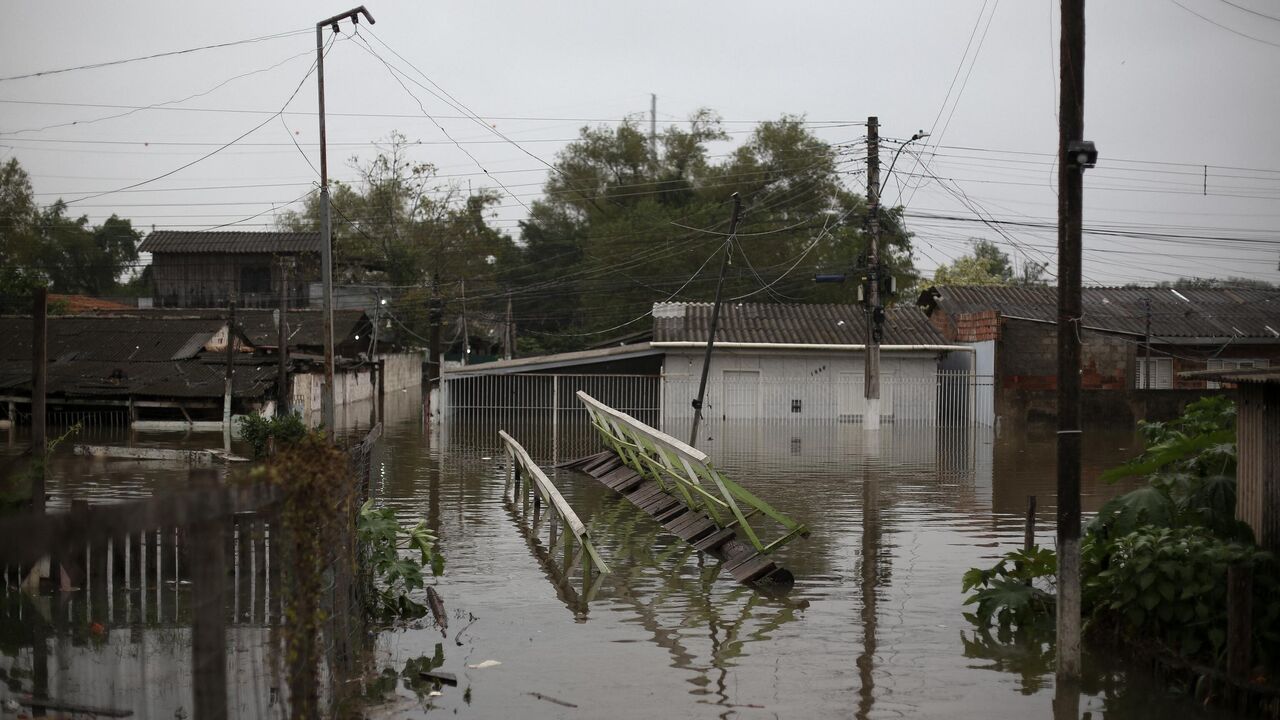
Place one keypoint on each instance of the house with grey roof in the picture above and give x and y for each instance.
(1136, 343)
(195, 269)
(788, 361)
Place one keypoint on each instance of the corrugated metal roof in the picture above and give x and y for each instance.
(1175, 312)
(191, 241)
(180, 379)
(107, 338)
(1245, 376)
(788, 323)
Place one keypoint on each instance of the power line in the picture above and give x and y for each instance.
(1231, 30)
(210, 154)
(171, 53)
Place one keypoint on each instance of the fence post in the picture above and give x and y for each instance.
(1239, 620)
(555, 419)
(208, 632)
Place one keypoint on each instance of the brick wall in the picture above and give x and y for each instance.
(1027, 358)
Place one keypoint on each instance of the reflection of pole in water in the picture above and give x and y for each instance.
(869, 573)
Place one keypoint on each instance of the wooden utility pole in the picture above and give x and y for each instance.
(326, 230)
(1070, 212)
(282, 341)
(715, 320)
(871, 385)
(39, 375)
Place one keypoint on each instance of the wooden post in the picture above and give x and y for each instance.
(1029, 533)
(382, 389)
(259, 610)
(1239, 621)
(208, 632)
(39, 369)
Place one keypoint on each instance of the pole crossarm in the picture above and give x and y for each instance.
(687, 474)
(551, 496)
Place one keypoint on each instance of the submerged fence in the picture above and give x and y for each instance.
(207, 559)
(947, 398)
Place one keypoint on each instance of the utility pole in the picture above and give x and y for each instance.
(1146, 370)
(231, 360)
(715, 320)
(508, 334)
(282, 341)
(39, 376)
(653, 134)
(326, 231)
(1073, 158)
(871, 385)
(434, 314)
(466, 334)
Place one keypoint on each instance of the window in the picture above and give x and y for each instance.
(1233, 364)
(795, 406)
(1161, 370)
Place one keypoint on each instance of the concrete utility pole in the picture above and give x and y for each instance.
(231, 366)
(1146, 370)
(466, 334)
(39, 370)
(282, 341)
(434, 315)
(1073, 157)
(508, 334)
(871, 385)
(653, 134)
(326, 231)
(715, 320)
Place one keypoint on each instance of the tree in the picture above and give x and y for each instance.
(620, 227)
(987, 265)
(45, 246)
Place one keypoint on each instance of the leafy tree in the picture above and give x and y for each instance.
(621, 226)
(987, 265)
(45, 246)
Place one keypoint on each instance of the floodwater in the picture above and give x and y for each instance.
(872, 629)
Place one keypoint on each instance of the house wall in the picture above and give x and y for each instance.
(208, 280)
(799, 386)
(404, 371)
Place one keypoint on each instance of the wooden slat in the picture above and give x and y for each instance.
(713, 541)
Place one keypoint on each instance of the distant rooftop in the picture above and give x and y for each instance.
(190, 241)
(788, 323)
(1175, 312)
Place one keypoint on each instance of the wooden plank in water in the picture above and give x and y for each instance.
(696, 529)
(746, 568)
(616, 475)
(712, 542)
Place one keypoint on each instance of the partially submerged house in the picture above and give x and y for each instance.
(196, 269)
(781, 361)
(1136, 342)
(170, 365)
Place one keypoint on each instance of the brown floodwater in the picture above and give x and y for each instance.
(873, 627)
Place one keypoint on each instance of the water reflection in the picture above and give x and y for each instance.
(873, 627)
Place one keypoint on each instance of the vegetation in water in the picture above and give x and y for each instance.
(1154, 561)
(397, 557)
(257, 430)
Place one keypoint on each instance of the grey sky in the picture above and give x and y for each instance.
(1163, 87)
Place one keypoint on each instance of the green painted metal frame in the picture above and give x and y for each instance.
(552, 498)
(687, 473)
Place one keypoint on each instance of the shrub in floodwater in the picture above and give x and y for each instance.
(286, 429)
(1154, 561)
(397, 574)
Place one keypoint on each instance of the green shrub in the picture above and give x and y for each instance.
(396, 575)
(1170, 584)
(286, 429)
(1016, 592)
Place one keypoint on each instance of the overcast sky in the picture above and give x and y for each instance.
(1172, 86)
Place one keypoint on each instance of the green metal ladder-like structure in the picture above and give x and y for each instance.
(686, 473)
